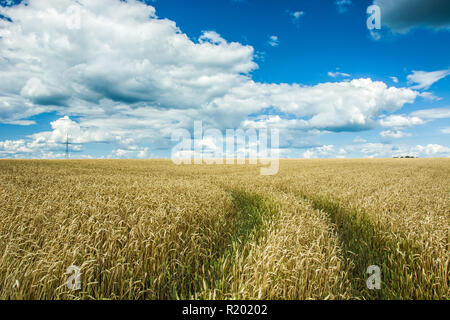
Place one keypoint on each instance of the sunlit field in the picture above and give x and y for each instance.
(153, 230)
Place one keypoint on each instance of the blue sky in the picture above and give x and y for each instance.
(119, 77)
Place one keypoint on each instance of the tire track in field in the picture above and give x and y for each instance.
(246, 225)
(252, 214)
(253, 211)
(366, 244)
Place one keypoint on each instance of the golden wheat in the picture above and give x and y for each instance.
(142, 229)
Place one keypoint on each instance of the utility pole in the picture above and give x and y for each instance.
(67, 146)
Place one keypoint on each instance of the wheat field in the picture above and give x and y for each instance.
(147, 229)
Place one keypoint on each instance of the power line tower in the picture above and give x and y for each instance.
(67, 143)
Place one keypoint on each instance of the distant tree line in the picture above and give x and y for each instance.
(406, 157)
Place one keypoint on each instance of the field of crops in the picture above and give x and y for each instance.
(147, 229)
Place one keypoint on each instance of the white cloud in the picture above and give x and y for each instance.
(296, 15)
(381, 150)
(51, 143)
(64, 127)
(113, 67)
(343, 5)
(273, 41)
(9, 147)
(212, 37)
(432, 150)
(435, 113)
(398, 121)
(338, 74)
(446, 130)
(133, 152)
(326, 151)
(425, 80)
(415, 118)
(116, 55)
(41, 144)
(335, 106)
(394, 79)
(429, 96)
(129, 76)
(396, 134)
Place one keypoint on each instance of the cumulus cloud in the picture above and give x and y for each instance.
(403, 15)
(116, 54)
(386, 150)
(432, 150)
(326, 151)
(124, 58)
(64, 127)
(415, 118)
(334, 106)
(129, 76)
(52, 143)
(378, 150)
(9, 147)
(399, 121)
(424, 80)
(395, 134)
(36, 148)
(132, 152)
